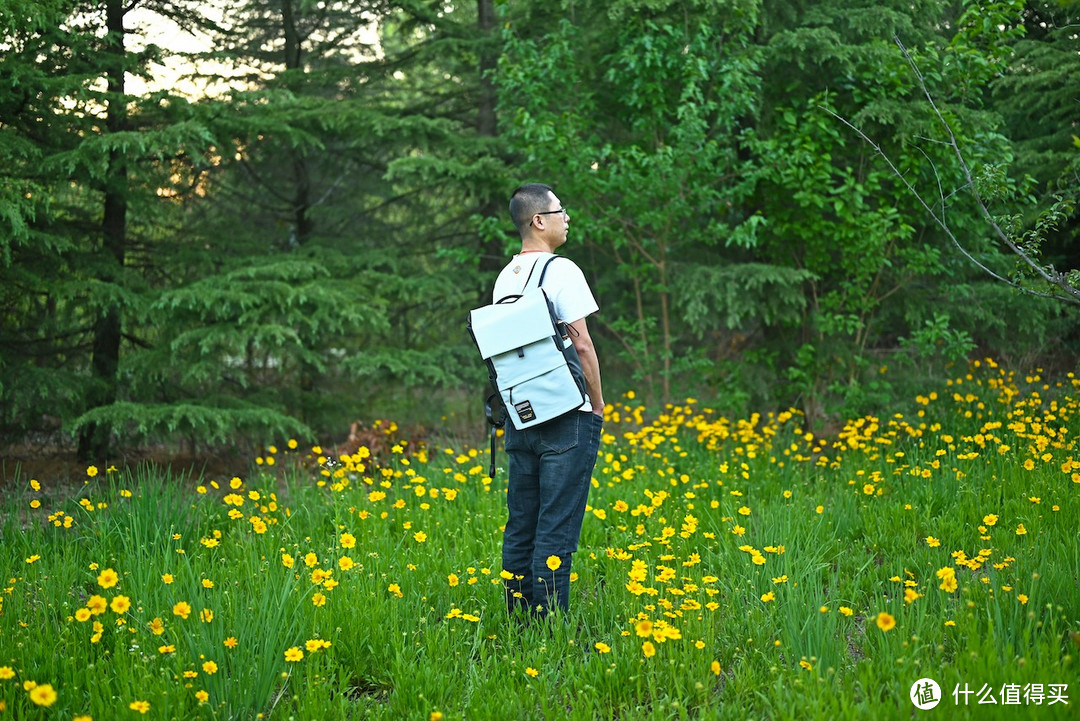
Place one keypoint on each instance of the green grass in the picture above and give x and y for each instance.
(767, 561)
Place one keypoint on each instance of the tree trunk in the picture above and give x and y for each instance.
(94, 437)
(302, 225)
(489, 58)
(492, 254)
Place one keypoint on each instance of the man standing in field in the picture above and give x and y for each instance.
(550, 464)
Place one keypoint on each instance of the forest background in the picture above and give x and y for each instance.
(287, 234)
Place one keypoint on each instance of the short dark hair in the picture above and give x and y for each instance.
(527, 201)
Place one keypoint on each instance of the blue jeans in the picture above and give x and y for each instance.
(550, 468)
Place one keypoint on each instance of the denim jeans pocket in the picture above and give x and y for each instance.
(561, 434)
(512, 438)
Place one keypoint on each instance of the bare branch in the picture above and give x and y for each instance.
(1049, 274)
(940, 220)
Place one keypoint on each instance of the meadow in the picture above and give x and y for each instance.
(730, 568)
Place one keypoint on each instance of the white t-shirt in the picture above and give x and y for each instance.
(564, 284)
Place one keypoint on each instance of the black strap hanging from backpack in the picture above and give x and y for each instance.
(496, 418)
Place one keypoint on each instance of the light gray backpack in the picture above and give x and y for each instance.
(532, 364)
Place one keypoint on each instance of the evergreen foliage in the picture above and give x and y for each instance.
(78, 263)
(295, 246)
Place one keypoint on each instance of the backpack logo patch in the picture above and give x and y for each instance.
(525, 411)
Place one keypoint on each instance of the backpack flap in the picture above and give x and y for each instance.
(503, 327)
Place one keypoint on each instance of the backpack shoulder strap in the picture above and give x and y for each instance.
(529, 277)
(543, 272)
(514, 296)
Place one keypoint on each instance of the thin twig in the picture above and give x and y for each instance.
(1054, 278)
(1050, 275)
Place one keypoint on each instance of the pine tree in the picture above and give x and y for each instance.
(81, 266)
(270, 259)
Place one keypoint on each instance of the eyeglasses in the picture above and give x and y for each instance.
(562, 211)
